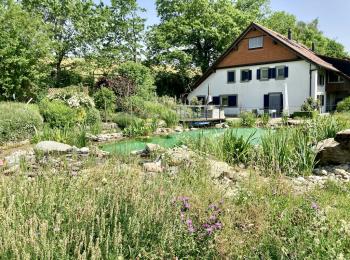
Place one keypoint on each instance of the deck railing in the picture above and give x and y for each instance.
(210, 112)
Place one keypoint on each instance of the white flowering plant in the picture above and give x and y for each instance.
(73, 99)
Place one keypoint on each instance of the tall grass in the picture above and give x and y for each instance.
(69, 135)
(108, 213)
(230, 147)
(287, 151)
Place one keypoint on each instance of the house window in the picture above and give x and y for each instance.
(334, 78)
(321, 79)
(246, 75)
(264, 73)
(229, 101)
(281, 72)
(230, 77)
(321, 99)
(256, 42)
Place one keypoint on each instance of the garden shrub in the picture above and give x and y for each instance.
(105, 99)
(310, 105)
(18, 121)
(57, 114)
(170, 117)
(124, 120)
(344, 106)
(305, 114)
(138, 128)
(93, 119)
(69, 108)
(248, 119)
(152, 109)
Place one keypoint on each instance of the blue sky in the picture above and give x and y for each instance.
(333, 15)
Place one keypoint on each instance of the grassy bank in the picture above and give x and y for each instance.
(112, 212)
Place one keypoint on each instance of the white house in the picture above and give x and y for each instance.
(264, 70)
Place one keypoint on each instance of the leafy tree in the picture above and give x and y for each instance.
(306, 33)
(75, 25)
(195, 33)
(140, 75)
(24, 52)
(122, 38)
(121, 86)
(172, 82)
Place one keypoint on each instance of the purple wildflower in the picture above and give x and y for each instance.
(209, 230)
(191, 229)
(218, 225)
(314, 206)
(213, 218)
(182, 216)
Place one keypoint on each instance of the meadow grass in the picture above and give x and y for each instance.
(114, 212)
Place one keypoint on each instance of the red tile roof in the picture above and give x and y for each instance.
(299, 49)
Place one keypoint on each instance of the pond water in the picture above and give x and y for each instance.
(168, 141)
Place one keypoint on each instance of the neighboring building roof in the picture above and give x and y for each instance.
(341, 64)
(299, 49)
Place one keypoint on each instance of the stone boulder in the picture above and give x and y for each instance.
(15, 158)
(53, 147)
(343, 138)
(152, 148)
(155, 167)
(330, 151)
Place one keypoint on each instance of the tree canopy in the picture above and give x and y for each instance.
(24, 54)
(46, 43)
(195, 33)
(306, 33)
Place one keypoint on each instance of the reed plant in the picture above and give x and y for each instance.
(287, 151)
(229, 147)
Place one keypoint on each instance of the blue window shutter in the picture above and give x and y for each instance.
(281, 108)
(286, 72)
(250, 75)
(232, 101)
(243, 75)
(258, 74)
(270, 74)
(273, 73)
(231, 76)
(216, 101)
(266, 102)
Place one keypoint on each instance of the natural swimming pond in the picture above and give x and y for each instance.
(169, 141)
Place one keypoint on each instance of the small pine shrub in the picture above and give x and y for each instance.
(248, 119)
(18, 121)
